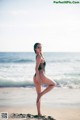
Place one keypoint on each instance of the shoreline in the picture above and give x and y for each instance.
(58, 97)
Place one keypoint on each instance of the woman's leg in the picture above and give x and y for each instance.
(48, 82)
(38, 90)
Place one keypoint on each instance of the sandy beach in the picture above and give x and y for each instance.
(57, 113)
(22, 101)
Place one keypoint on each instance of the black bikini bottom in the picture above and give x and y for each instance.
(35, 74)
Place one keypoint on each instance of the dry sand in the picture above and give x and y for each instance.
(59, 113)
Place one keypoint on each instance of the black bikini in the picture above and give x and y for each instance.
(41, 66)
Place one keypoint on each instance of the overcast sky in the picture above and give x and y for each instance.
(24, 22)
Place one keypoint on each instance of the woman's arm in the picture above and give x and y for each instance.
(38, 61)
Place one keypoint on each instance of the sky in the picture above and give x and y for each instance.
(25, 22)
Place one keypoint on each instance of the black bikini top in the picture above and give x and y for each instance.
(42, 66)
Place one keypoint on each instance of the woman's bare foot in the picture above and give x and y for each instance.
(39, 114)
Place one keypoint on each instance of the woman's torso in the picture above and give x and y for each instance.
(42, 65)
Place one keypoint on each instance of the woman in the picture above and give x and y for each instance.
(39, 77)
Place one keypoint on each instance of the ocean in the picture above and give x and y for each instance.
(17, 69)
